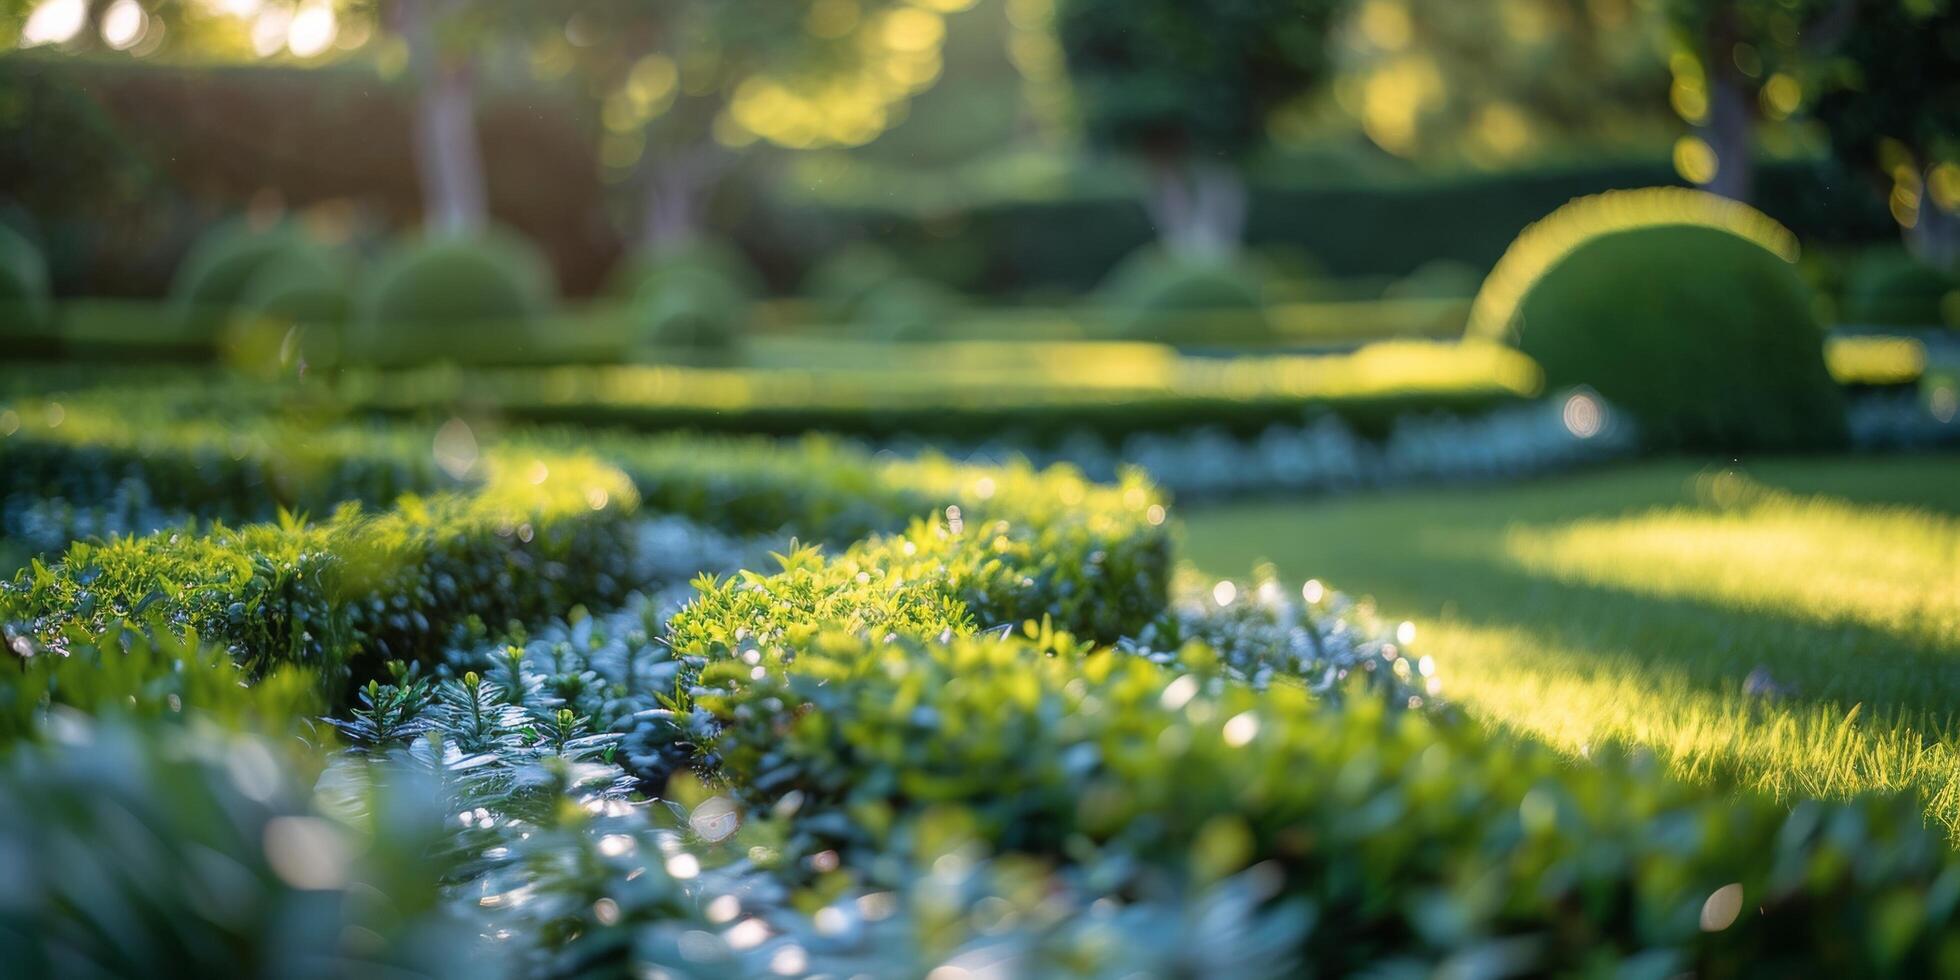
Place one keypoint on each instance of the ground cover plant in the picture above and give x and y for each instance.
(1788, 625)
(952, 736)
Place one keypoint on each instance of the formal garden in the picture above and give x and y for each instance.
(979, 488)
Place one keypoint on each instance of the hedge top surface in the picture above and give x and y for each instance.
(1550, 240)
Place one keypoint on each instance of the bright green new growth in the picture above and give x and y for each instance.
(1891, 288)
(482, 292)
(1682, 309)
(24, 292)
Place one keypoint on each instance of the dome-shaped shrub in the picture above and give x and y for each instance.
(841, 281)
(213, 277)
(691, 309)
(1155, 296)
(472, 300)
(907, 310)
(721, 260)
(1683, 308)
(305, 289)
(493, 278)
(1891, 288)
(26, 310)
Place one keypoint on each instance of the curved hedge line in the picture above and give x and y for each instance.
(871, 736)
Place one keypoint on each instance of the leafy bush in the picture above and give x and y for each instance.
(723, 261)
(841, 280)
(1891, 288)
(691, 309)
(1680, 307)
(906, 310)
(336, 597)
(304, 288)
(135, 848)
(1155, 296)
(429, 296)
(982, 703)
(215, 277)
(26, 309)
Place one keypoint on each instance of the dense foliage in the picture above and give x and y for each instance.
(980, 724)
(1720, 350)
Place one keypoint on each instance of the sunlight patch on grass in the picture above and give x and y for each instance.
(1796, 630)
(1817, 559)
(1789, 748)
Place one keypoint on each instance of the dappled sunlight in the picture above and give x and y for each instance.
(1584, 700)
(1816, 559)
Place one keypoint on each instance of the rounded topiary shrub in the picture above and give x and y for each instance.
(907, 310)
(841, 281)
(26, 307)
(304, 289)
(1680, 307)
(213, 278)
(466, 299)
(1156, 296)
(721, 260)
(691, 309)
(1891, 288)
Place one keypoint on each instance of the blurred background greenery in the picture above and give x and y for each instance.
(600, 180)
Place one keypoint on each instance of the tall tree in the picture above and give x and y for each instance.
(690, 88)
(1188, 88)
(1889, 94)
(1738, 62)
(1497, 84)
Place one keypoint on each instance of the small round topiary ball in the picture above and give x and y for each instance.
(215, 276)
(1682, 308)
(1156, 296)
(490, 278)
(690, 309)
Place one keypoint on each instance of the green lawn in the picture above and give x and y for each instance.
(1634, 605)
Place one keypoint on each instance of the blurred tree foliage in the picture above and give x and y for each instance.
(1498, 84)
(1890, 98)
(686, 90)
(1188, 89)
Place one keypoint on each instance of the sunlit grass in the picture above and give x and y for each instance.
(1796, 629)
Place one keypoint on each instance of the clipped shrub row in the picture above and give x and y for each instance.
(1109, 391)
(875, 741)
(341, 595)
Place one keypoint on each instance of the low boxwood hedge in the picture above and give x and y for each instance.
(972, 725)
(1106, 392)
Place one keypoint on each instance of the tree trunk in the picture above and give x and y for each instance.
(1728, 128)
(448, 156)
(1199, 208)
(675, 193)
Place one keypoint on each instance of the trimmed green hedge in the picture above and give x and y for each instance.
(881, 736)
(341, 596)
(1107, 390)
(1682, 308)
